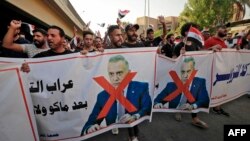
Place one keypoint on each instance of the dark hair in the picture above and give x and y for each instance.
(169, 35)
(150, 30)
(186, 26)
(41, 31)
(112, 28)
(87, 33)
(61, 32)
(97, 37)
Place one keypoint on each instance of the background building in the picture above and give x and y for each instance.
(41, 13)
(146, 22)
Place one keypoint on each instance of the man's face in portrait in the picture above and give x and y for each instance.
(186, 70)
(117, 71)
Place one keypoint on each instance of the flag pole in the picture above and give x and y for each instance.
(145, 22)
(148, 12)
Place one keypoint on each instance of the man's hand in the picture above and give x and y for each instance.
(161, 19)
(94, 128)
(14, 24)
(186, 106)
(127, 118)
(25, 68)
(74, 31)
(216, 48)
(84, 52)
(183, 50)
(118, 22)
(101, 49)
(158, 105)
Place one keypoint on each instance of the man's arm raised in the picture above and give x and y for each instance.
(9, 37)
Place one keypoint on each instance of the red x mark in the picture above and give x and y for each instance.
(115, 94)
(181, 87)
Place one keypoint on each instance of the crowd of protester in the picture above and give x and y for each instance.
(53, 42)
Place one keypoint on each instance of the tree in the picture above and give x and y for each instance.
(207, 13)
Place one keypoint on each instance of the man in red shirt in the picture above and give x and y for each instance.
(216, 42)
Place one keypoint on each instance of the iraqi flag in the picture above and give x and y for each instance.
(195, 36)
(101, 24)
(123, 13)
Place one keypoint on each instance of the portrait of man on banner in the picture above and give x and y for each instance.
(122, 100)
(187, 92)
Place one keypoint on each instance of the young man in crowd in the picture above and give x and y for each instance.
(39, 40)
(181, 48)
(131, 32)
(56, 39)
(151, 40)
(216, 43)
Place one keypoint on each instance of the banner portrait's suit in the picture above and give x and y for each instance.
(198, 90)
(137, 94)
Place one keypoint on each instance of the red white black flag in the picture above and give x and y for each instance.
(196, 36)
(123, 13)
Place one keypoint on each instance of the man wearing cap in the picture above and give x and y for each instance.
(131, 32)
(151, 41)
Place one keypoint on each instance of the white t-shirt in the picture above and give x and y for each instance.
(31, 50)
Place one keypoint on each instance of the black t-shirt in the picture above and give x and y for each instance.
(245, 44)
(167, 50)
(178, 47)
(153, 43)
(137, 44)
(49, 53)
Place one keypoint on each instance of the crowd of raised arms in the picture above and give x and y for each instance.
(54, 42)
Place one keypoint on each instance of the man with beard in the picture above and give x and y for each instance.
(39, 40)
(131, 41)
(168, 48)
(180, 48)
(117, 41)
(216, 43)
(115, 36)
(151, 40)
(55, 37)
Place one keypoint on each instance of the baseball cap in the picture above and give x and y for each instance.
(129, 26)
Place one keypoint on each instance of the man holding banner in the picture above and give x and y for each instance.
(131, 99)
(189, 93)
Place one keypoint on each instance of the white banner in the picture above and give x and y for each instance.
(231, 76)
(183, 85)
(77, 97)
(17, 121)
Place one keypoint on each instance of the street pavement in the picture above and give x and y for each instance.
(164, 127)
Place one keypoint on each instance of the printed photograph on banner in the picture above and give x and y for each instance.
(230, 77)
(124, 95)
(184, 85)
(81, 97)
